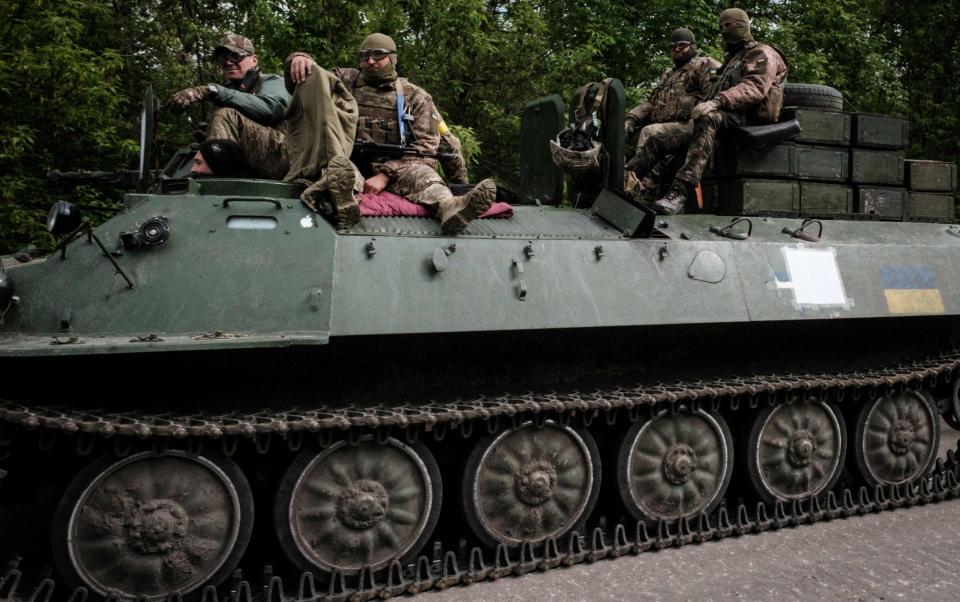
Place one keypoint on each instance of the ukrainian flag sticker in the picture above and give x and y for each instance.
(911, 290)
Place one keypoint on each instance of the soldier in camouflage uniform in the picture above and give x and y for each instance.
(661, 125)
(747, 91)
(377, 91)
(251, 105)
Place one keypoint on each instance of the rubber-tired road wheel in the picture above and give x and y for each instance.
(896, 438)
(150, 525)
(952, 413)
(795, 450)
(356, 505)
(812, 96)
(675, 465)
(531, 482)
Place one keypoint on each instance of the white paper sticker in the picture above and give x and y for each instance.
(814, 276)
(307, 222)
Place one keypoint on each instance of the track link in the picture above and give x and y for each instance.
(445, 568)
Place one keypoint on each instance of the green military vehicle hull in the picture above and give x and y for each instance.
(331, 401)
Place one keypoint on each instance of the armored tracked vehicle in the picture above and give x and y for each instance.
(219, 380)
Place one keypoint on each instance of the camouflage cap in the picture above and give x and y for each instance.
(234, 43)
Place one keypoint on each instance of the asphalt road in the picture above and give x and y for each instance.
(907, 554)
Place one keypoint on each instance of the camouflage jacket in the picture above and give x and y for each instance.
(677, 92)
(751, 81)
(378, 116)
(266, 103)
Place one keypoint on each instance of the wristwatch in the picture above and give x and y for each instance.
(212, 91)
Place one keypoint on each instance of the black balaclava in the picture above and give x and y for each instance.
(684, 35)
(225, 158)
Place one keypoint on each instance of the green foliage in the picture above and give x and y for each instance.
(75, 70)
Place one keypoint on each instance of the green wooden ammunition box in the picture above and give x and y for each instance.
(880, 131)
(773, 160)
(876, 167)
(825, 199)
(823, 127)
(753, 196)
(822, 163)
(931, 175)
(931, 205)
(884, 202)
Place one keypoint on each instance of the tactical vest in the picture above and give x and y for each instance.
(768, 110)
(377, 121)
(678, 92)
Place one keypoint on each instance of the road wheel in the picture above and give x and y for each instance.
(795, 450)
(896, 438)
(358, 505)
(149, 525)
(812, 96)
(530, 483)
(952, 412)
(674, 466)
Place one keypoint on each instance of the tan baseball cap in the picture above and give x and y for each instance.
(234, 43)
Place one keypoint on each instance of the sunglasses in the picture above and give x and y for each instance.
(231, 57)
(377, 54)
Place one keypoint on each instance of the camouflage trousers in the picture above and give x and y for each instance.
(422, 184)
(455, 166)
(263, 146)
(700, 151)
(656, 141)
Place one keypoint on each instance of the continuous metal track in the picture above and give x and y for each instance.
(465, 565)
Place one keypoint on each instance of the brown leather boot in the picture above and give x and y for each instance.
(339, 180)
(674, 201)
(460, 211)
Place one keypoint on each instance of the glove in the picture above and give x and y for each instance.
(186, 97)
(703, 108)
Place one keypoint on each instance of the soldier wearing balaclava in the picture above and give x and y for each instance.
(662, 121)
(748, 90)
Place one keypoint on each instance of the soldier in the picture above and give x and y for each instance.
(251, 105)
(220, 157)
(662, 122)
(747, 90)
(390, 110)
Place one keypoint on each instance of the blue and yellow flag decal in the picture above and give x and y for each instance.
(911, 290)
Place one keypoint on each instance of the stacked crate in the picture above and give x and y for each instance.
(840, 164)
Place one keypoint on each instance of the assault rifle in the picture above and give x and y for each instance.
(371, 152)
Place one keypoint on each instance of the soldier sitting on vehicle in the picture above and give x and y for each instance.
(251, 106)
(747, 91)
(331, 109)
(661, 125)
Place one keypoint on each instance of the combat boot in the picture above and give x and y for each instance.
(339, 180)
(459, 211)
(673, 202)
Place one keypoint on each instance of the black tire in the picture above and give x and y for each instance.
(952, 413)
(771, 492)
(872, 454)
(812, 96)
(291, 482)
(469, 488)
(65, 543)
(725, 466)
